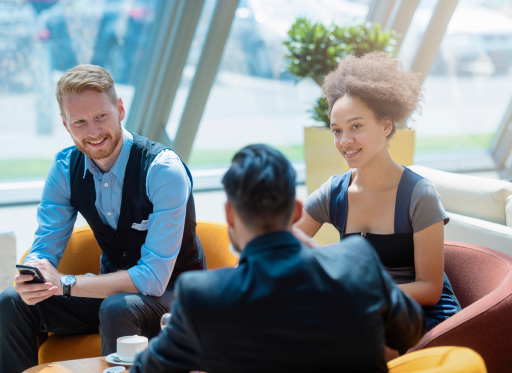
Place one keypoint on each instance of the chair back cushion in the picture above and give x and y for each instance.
(474, 196)
(479, 232)
(215, 241)
(82, 253)
(473, 271)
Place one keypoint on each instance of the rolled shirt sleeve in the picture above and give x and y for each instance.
(55, 215)
(168, 187)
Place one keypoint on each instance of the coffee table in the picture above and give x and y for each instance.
(91, 365)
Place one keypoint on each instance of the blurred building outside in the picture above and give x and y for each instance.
(253, 99)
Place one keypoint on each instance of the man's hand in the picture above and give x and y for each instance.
(35, 293)
(49, 272)
(304, 238)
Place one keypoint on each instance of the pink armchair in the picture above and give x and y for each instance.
(482, 281)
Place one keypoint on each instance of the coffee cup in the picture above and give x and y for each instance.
(129, 346)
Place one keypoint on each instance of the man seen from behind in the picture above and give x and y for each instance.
(286, 307)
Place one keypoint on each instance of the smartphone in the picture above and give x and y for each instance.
(29, 270)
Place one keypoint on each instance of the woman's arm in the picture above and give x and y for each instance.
(307, 224)
(429, 265)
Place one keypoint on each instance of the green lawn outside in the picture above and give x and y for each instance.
(201, 158)
(454, 143)
(20, 169)
(16, 169)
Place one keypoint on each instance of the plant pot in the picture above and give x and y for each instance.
(323, 161)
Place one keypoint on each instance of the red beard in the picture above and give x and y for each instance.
(103, 152)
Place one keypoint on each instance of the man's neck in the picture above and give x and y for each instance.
(247, 235)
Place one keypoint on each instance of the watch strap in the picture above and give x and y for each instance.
(66, 291)
(67, 284)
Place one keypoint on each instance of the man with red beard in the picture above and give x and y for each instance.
(136, 196)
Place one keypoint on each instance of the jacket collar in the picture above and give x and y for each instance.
(270, 241)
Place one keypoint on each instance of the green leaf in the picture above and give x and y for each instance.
(319, 112)
(312, 50)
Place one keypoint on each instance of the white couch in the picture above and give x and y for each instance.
(480, 209)
(7, 257)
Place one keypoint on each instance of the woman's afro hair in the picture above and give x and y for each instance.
(381, 82)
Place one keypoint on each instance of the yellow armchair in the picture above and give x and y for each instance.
(439, 360)
(82, 256)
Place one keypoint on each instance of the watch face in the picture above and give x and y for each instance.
(68, 280)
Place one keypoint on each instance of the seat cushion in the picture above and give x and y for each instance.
(473, 196)
(59, 347)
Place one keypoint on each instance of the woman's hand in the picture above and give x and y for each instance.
(429, 265)
(304, 238)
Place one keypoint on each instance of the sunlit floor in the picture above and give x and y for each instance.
(22, 219)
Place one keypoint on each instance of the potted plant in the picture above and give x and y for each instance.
(313, 50)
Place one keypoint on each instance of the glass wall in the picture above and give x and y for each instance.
(253, 99)
(469, 86)
(39, 41)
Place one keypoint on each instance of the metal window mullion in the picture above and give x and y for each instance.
(171, 70)
(160, 38)
(379, 11)
(402, 18)
(205, 74)
(501, 144)
(427, 51)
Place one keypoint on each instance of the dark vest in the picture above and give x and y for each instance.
(122, 247)
(396, 251)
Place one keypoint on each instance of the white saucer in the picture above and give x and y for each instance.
(110, 359)
(117, 369)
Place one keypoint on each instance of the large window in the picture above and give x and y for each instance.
(39, 41)
(469, 85)
(253, 99)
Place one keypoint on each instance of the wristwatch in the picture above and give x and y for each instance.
(67, 282)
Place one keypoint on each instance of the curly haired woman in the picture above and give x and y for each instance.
(396, 210)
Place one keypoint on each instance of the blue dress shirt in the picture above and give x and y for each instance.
(168, 187)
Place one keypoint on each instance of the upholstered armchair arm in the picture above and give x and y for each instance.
(484, 326)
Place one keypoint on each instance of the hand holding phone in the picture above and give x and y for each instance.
(33, 271)
(35, 290)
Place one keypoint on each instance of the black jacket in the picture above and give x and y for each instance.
(287, 308)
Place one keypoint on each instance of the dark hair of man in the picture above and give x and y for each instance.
(260, 186)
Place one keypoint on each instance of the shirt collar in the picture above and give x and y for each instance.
(270, 241)
(119, 166)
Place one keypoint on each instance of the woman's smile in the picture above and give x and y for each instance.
(352, 153)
